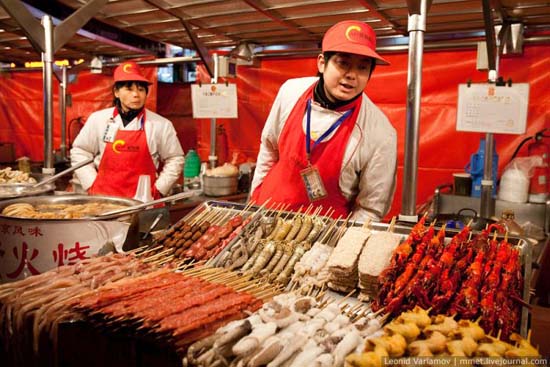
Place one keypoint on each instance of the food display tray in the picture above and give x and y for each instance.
(522, 244)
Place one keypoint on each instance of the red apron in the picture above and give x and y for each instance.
(122, 163)
(284, 184)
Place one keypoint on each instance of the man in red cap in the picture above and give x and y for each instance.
(325, 143)
(127, 141)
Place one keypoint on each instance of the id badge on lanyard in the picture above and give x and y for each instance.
(110, 131)
(313, 182)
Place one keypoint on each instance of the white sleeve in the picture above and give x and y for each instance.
(85, 146)
(171, 154)
(377, 181)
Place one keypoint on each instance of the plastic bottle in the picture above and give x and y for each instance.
(192, 166)
(475, 168)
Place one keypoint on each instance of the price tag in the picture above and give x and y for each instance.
(489, 108)
(214, 100)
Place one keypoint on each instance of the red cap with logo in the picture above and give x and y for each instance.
(129, 71)
(354, 37)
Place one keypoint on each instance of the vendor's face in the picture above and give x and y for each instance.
(131, 96)
(345, 75)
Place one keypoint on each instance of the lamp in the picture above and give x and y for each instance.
(243, 53)
(96, 65)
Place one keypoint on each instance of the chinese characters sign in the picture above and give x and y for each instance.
(28, 248)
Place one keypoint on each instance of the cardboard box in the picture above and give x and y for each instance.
(7, 152)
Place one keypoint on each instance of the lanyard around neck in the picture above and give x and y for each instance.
(140, 117)
(333, 127)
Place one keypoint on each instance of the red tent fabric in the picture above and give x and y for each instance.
(442, 150)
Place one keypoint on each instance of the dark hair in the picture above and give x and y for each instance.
(128, 84)
(328, 54)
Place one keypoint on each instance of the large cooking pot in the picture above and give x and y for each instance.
(32, 246)
(220, 185)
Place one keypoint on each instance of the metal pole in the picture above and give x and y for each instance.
(47, 58)
(63, 108)
(416, 28)
(487, 202)
(213, 158)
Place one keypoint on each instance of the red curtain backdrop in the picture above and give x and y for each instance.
(442, 150)
(22, 110)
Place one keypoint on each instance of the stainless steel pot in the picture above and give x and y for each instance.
(33, 246)
(220, 186)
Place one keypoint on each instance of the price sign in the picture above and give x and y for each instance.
(214, 100)
(489, 108)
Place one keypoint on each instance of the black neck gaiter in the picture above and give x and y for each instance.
(320, 97)
(126, 117)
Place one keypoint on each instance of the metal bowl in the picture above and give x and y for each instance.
(32, 246)
(10, 191)
(17, 190)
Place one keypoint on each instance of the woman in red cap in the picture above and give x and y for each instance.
(127, 141)
(325, 142)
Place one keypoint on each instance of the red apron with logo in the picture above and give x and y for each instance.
(123, 161)
(284, 183)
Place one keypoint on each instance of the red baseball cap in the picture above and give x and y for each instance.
(129, 71)
(354, 37)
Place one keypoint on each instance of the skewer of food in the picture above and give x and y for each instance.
(415, 334)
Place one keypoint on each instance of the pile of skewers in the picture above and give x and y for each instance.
(472, 276)
(177, 308)
(202, 236)
(352, 257)
(274, 245)
(45, 300)
(290, 330)
(415, 334)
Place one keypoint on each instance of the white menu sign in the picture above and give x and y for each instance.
(492, 109)
(29, 248)
(214, 100)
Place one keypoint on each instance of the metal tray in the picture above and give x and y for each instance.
(254, 222)
(522, 244)
(227, 207)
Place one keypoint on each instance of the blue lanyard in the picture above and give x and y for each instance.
(333, 127)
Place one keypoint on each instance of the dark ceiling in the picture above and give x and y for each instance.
(144, 28)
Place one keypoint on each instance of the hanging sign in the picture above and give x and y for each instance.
(489, 108)
(214, 100)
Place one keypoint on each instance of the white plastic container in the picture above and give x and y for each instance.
(514, 186)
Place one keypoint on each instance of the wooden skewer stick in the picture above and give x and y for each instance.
(160, 254)
(391, 227)
(330, 231)
(347, 296)
(150, 250)
(329, 212)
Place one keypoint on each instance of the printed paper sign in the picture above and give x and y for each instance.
(488, 108)
(214, 100)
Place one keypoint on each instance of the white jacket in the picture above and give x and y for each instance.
(369, 166)
(162, 140)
